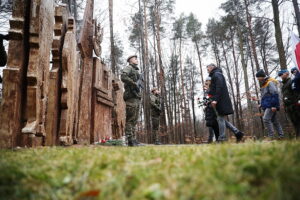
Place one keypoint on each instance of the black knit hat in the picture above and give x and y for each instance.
(261, 73)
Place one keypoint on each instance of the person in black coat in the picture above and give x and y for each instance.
(221, 100)
(210, 114)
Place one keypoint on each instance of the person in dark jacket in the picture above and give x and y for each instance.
(291, 100)
(3, 55)
(296, 79)
(221, 101)
(269, 103)
(210, 114)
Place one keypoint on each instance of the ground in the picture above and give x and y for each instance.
(228, 171)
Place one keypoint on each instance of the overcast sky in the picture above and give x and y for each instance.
(203, 9)
(123, 9)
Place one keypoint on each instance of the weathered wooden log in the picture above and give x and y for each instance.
(53, 105)
(102, 102)
(69, 87)
(86, 50)
(13, 77)
(40, 40)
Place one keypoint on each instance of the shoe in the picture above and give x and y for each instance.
(157, 143)
(137, 144)
(239, 136)
(130, 143)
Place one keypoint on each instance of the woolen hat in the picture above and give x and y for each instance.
(281, 72)
(294, 69)
(261, 73)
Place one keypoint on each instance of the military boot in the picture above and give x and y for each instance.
(130, 142)
(128, 133)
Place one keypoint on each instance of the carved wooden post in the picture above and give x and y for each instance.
(69, 85)
(102, 102)
(41, 35)
(119, 118)
(52, 116)
(14, 75)
(86, 49)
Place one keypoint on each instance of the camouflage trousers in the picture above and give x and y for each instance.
(293, 112)
(132, 114)
(155, 127)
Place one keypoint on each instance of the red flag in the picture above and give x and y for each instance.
(295, 49)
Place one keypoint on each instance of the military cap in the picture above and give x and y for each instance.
(128, 59)
(153, 89)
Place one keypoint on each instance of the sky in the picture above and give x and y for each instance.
(203, 9)
(123, 9)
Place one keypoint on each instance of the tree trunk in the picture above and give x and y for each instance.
(147, 111)
(253, 46)
(256, 92)
(200, 62)
(183, 105)
(161, 69)
(278, 35)
(297, 13)
(111, 31)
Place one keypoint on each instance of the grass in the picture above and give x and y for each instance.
(227, 171)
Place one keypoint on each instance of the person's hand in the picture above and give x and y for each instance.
(274, 109)
(214, 103)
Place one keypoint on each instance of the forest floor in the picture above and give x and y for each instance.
(253, 170)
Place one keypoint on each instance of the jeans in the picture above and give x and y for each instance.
(232, 128)
(271, 122)
(222, 126)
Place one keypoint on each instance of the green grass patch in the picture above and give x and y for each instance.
(227, 171)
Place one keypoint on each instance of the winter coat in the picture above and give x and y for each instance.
(219, 91)
(289, 96)
(210, 116)
(3, 55)
(296, 82)
(269, 94)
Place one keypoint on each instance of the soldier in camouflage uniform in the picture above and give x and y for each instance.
(155, 113)
(291, 100)
(132, 97)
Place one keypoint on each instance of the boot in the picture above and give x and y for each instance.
(137, 143)
(239, 136)
(130, 143)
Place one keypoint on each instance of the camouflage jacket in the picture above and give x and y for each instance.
(130, 76)
(155, 105)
